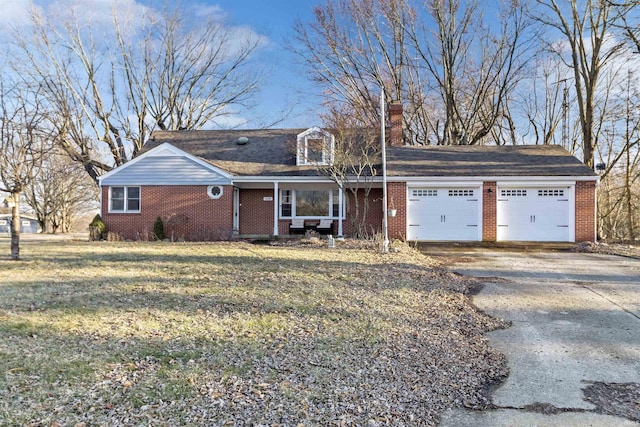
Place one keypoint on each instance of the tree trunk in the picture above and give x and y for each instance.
(15, 226)
(627, 189)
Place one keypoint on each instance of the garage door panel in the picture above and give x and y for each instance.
(534, 214)
(443, 214)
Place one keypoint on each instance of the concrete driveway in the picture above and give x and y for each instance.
(574, 347)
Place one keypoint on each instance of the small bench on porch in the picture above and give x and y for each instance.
(301, 226)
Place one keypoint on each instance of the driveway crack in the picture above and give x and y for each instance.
(584, 285)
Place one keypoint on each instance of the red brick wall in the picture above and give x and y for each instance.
(209, 219)
(256, 214)
(585, 211)
(489, 212)
(283, 226)
(397, 193)
(200, 218)
(374, 211)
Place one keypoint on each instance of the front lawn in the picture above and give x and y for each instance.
(235, 334)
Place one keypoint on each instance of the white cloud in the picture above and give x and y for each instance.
(228, 121)
(99, 12)
(15, 12)
(214, 12)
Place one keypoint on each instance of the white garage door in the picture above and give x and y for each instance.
(443, 214)
(534, 214)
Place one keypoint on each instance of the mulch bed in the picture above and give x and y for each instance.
(619, 399)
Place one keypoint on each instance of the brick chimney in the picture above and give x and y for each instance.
(395, 123)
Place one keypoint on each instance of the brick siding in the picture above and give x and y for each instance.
(206, 219)
(373, 218)
(585, 211)
(197, 217)
(397, 226)
(256, 214)
(489, 212)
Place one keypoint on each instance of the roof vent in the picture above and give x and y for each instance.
(242, 140)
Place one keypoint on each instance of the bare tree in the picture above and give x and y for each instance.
(587, 29)
(24, 140)
(352, 48)
(475, 65)
(60, 192)
(456, 88)
(545, 101)
(619, 197)
(629, 24)
(356, 157)
(111, 84)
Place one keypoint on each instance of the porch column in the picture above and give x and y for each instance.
(340, 212)
(275, 208)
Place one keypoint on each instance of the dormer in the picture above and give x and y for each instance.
(315, 147)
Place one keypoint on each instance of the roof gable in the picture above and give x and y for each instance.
(166, 165)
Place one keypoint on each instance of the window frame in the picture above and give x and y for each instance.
(306, 143)
(212, 196)
(290, 195)
(126, 199)
(315, 150)
(286, 195)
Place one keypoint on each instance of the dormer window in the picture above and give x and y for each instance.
(315, 150)
(315, 147)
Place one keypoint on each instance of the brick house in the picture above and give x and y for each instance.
(212, 185)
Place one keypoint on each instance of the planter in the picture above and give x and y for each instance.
(392, 212)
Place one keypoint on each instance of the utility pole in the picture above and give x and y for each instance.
(385, 228)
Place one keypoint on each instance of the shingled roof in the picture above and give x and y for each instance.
(271, 152)
(268, 152)
(505, 160)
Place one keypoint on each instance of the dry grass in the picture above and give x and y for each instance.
(235, 334)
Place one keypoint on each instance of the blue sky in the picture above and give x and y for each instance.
(283, 86)
(276, 19)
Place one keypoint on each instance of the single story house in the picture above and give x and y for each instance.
(28, 224)
(209, 185)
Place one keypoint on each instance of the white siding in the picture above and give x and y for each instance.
(165, 170)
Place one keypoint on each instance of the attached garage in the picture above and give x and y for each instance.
(535, 213)
(491, 193)
(444, 213)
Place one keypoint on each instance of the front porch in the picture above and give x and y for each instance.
(286, 209)
(292, 208)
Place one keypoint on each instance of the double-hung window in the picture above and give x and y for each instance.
(124, 199)
(286, 206)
